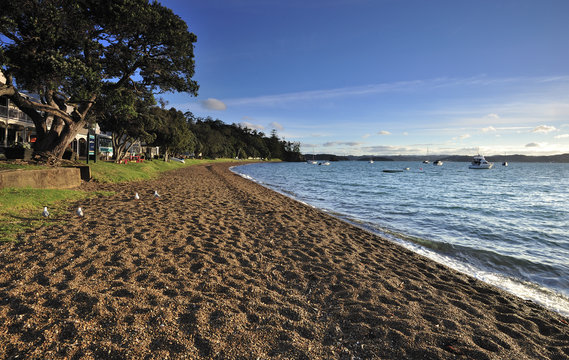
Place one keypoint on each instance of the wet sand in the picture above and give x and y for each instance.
(222, 268)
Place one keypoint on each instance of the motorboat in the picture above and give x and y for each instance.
(426, 161)
(438, 163)
(312, 162)
(505, 163)
(392, 170)
(371, 161)
(324, 163)
(479, 162)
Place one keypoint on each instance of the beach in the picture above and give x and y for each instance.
(219, 267)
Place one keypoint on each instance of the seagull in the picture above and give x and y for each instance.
(136, 197)
(156, 196)
(79, 212)
(45, 212)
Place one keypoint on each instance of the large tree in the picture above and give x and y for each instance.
(68, 52)
(173, 133)
(127, 114)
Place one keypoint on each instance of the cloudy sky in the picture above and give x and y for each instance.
(386, 76)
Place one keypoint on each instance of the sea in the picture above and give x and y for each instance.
(507, 226)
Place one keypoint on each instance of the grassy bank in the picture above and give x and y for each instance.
(21, 209)
(107, 172)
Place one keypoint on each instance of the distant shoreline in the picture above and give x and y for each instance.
(561, 158)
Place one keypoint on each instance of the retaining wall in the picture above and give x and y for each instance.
(58, 178)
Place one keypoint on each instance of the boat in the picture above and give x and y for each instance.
(313, 161)
(177, 159)
(392, 170)
(371, 161)
(426, 161)
(479, 162)
(324, 163)
(438, 163)
(505, 163)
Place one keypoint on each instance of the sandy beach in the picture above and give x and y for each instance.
(221, 268)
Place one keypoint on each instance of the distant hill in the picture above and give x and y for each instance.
(561, 158)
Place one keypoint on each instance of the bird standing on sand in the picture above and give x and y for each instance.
(79, 212)
(136, 197)
(45, 213)
(156, 196)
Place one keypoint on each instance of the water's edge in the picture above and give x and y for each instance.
(526, 290)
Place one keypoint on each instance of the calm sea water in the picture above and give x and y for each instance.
(508, 226)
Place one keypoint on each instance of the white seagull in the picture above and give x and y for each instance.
(156, 196)
(136, 197)
(45, 213)
(79, 212)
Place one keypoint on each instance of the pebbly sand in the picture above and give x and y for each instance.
(222, 268)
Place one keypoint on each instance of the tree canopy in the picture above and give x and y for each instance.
(68, 53)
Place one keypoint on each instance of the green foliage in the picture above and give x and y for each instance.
(71, 52)
(217, 139)
(127, 114)
(173, 132)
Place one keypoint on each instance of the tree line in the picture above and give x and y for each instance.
(131, 118)
(103, 60)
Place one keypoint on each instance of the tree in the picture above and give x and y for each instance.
(126, 113)
(70, 52)
(173, 134)
(274, 145)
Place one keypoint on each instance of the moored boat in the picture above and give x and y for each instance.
(392, 170)
(479, 162)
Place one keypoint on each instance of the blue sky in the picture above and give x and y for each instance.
(386, 77)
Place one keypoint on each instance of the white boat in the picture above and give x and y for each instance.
(438, 163)
(324, 163)
(177, 159)
(480, 163)
(371, 161)
(312, 162)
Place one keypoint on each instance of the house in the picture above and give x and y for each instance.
(15, 126)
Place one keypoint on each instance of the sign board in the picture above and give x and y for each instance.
(91, 142)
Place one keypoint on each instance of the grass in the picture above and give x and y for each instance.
(107, 172)
(4, 166)
(21, 208)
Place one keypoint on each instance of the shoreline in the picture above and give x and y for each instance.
(223, 267)
(553, 299)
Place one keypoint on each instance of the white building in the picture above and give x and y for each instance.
(15, 126)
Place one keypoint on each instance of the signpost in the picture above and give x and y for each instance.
(92, 146)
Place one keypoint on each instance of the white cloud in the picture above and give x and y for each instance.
(276, 125)
(544, 129)
(345, 143)
(465, 136)
(492, 116)
(214, 104)
(384, 132)
(562, 136)
(246, 124)
(489, 129)
(366, 136)
(395, 87)
(532, 145)
(405, 133)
